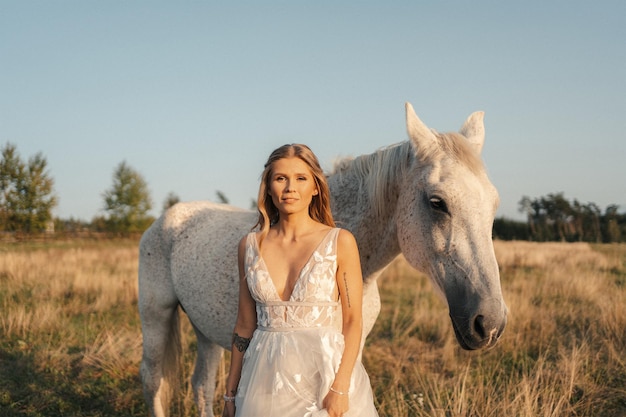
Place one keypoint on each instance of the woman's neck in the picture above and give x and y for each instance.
(293, 227)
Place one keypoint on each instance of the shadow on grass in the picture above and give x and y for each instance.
(26, 390)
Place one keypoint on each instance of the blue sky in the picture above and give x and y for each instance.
(194, 95)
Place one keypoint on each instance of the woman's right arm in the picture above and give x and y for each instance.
(244, 328)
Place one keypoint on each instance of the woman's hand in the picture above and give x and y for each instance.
(229, 409)
(336, 404)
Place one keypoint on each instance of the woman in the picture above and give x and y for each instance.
(300, 283)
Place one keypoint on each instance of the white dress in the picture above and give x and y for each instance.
(296, 349)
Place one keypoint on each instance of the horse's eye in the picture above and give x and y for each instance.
(438, 204)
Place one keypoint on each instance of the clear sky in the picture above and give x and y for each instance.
(195, 94)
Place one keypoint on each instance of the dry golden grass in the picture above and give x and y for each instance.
(70, 341)
(563, 352)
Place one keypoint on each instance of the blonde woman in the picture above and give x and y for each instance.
(298, 331)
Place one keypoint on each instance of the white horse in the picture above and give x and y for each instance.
(428, 198)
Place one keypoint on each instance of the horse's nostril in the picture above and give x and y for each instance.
(479, 326)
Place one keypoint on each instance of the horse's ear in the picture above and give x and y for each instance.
(421, 136)
(474, 130)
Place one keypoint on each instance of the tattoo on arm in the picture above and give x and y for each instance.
(241, 343)
(345, 283)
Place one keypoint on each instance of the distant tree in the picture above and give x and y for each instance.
(221, 197)
(590, 218)
(553, 211)
(71, 225)
(171, 200)
(525, 206)
(555, 218)
(99, 224)
(11, 167)
(128, 201)
(26, 192)
(507, 229)
(611, 225)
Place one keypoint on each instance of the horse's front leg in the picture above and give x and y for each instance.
(371, 307)
(204, 374)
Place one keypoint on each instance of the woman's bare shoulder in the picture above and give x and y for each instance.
(346, 240)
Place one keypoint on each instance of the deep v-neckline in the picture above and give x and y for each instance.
(299, 276)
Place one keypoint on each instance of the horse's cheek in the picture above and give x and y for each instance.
(412, 241)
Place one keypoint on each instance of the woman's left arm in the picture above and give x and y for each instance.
(350, 283)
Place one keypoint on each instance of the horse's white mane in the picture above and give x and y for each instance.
(383, 167)
(377, 170)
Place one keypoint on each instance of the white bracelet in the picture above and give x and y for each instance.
(229, 399)
(337, 392)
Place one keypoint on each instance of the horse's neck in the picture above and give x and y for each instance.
(375, 234)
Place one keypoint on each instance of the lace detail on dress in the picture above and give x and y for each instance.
(285, 315)
(310, 304)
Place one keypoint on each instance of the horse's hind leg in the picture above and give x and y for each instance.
(158, 309)
(160, 359)
(203, 380)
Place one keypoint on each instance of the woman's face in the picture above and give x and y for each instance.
(291, 185)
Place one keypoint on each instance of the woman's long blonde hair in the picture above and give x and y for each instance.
(319, 209)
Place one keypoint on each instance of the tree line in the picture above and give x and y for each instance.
(555, 218)
(27, 199)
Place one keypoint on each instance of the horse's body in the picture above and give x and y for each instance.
(428, 198)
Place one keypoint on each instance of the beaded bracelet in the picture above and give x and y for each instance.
(229, 399)
(337, 392)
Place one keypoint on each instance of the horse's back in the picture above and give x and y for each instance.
(195, 244)
(187, 225)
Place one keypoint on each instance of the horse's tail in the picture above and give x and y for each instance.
(172, 362)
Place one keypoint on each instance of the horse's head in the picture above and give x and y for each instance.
(445, 217)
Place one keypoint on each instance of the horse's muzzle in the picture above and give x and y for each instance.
(479, 332)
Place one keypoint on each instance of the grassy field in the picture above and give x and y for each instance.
(70, 342)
